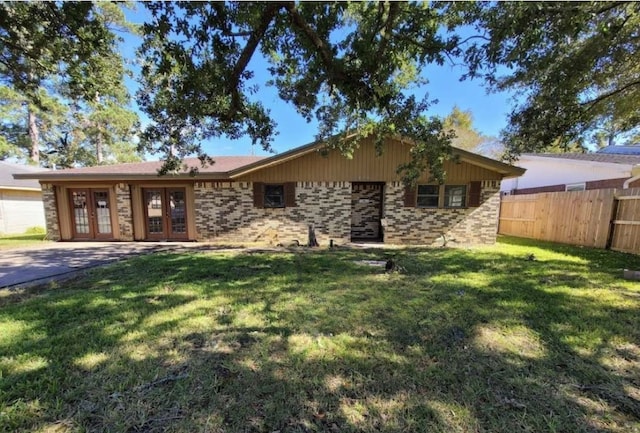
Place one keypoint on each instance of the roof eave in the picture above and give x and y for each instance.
(503, 168)
(276, 159)
(20, 188)
(118, 176)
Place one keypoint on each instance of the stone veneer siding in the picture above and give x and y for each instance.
(50, 211)
(366, 210)
(423, 226)
(224, 211)
(125, 215)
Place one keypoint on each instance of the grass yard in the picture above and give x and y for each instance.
(20, 241)
(477, 340)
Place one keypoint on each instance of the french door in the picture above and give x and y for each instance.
(91, 213)
(165, 213)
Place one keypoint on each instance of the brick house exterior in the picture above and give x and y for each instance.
(276, 200)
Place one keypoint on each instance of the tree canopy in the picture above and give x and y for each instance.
(575, 66)
(63, 90)
(354, 68)
(467, 137)
(346, 65)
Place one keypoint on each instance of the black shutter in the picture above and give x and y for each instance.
(258, 194)
(290, 194)
(409, 196)
(474, 193)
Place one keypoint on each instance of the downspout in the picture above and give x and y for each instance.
(635, 175)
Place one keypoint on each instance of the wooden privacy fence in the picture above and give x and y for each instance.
(599, 218)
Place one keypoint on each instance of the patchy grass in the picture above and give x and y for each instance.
(20, 241)
(456, 341)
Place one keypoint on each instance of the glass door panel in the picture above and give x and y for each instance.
(155, 213)
(91, 213)
(166, 213)
(102, 212)
(177, 210)
(80, 209)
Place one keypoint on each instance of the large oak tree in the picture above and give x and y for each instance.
(574, 65)
(348, 66)
(354, 67)
(63, 77)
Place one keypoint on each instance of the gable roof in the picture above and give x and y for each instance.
(231, 167)
(593, 157)
(7, 181)
(505, 169)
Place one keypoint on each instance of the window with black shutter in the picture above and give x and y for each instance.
(474, 193)
(276, 195)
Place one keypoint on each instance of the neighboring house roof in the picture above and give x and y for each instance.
(621, 150)
(592, 157)
(7, 181)
(230, 167)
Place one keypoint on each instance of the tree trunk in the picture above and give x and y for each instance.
(99, 148)
(34, 136)
(99, 142)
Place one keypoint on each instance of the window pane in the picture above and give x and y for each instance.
(428, 195)
(455, 195)
(274, 196)
(428, 201)
(154, 212)
(178, 208)
(80, 212)
(428, 189)
(103, 216)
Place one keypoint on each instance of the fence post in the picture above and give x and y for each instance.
(612, 223)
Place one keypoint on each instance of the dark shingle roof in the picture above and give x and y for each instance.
(222, 164)
(594, 157)
(7, 171)
(621, 150)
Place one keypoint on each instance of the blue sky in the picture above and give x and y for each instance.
(489, 110)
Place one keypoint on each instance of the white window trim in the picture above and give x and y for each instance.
(581, 186)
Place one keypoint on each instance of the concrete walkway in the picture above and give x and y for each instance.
(53, 261)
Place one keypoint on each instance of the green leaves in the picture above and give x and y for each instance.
(575, 65)
(63, 70)
(347, 66)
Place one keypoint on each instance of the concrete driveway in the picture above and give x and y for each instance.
(30, 266)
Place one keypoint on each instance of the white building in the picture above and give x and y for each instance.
(20, 200)
(575, 171)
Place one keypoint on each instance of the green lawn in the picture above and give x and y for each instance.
(458, 340)
(20, 241)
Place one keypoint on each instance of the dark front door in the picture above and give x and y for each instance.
(366, 211)
(91, 214)
(165, 213)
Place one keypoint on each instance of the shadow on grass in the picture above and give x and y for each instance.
(459, 340)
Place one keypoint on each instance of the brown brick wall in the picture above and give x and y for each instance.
(50, 211)
(225, 212)
(410, 225)
(125, 215)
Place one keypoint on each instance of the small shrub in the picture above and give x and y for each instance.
(35, 230)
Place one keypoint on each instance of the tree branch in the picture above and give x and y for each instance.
(325, 54)
(234, 80)
(388, 27)
(594, 102)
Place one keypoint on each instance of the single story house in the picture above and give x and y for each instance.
(275, 199)
(20, 200)
(610, 167)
